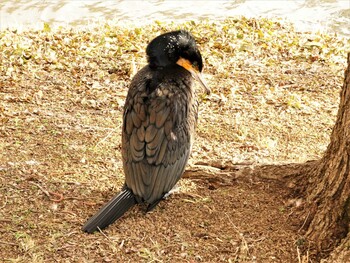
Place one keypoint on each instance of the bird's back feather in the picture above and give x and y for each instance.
(158, 130)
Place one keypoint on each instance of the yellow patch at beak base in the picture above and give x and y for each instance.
(185, 63)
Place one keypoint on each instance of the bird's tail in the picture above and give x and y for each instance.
(111, 211)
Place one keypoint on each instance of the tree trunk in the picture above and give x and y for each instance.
(328, 187)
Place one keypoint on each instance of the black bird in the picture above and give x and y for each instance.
(160, 115)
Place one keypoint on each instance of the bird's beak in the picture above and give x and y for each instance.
(194, 72)
(198, 76)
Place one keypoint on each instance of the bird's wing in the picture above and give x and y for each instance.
(157, 138)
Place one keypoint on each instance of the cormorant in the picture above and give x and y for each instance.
(160, 115)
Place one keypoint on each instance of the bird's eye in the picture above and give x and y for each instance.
(195, 65)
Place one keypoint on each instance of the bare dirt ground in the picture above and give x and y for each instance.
(275, 96)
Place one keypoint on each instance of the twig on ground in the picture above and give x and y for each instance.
(60, 197)
(49, 193)
(99, 229)
(5, 203)
(302, 226)
(8, 243)
(42, 189)
(105, 138)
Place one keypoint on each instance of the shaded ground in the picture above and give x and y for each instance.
(275, 96)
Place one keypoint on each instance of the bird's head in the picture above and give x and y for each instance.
(177, 47)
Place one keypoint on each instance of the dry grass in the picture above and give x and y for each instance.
(275, 96)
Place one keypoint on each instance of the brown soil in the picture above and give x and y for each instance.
(275, 96)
